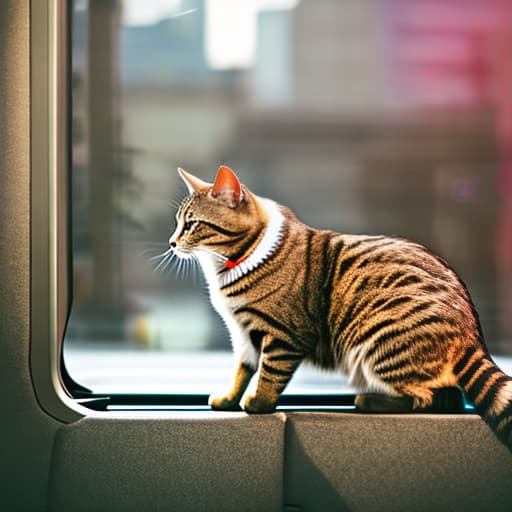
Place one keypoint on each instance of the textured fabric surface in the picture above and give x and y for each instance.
(26, 433)
(418, 463)
(332, 461)
(225, 462)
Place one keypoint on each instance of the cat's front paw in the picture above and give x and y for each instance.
(223, 403)
(255, 405)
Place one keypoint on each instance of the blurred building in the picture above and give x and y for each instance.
(379, 135)
(378, 116)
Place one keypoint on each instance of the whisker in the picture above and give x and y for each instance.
(175, 203)
(147, 253)
(191, 268)
(162, 255)
(159, 265)
(195, 270)
(153, 253)
(166, 257)
(181, 264)
(169, 261)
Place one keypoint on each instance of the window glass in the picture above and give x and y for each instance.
(379, 116)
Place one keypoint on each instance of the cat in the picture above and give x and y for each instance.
(385, 311)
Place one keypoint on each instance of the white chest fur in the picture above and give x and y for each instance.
(242, 346)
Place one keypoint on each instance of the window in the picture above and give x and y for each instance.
(385, 116)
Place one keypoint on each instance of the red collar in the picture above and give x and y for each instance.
(232, 264)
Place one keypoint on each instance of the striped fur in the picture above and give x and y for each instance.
(385, 311)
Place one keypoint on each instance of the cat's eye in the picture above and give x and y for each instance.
(188, 226)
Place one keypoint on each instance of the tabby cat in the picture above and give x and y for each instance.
(385, 311)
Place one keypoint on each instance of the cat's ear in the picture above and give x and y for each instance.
(193, 184)
(227, 187)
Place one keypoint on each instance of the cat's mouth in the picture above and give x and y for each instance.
(185, 252)
(182, 252)
(178, 245)
(179, 248)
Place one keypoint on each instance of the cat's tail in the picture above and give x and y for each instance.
(488, 388)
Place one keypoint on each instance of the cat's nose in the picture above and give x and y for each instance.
(174, 239)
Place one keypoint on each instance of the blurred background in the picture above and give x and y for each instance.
(363, 116)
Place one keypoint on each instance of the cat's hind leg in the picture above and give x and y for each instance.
(415, 384)
(378, 402)
(442, 400)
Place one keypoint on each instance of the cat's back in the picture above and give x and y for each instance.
(386, 284)
(387, 262)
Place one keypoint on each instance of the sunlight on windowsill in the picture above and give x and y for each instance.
(109, 369)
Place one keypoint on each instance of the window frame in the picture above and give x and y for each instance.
(51, 279)
(50, 293)
(51, 258)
